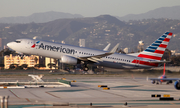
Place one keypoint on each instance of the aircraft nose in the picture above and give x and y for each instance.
(10, 44)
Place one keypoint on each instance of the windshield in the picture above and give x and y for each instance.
(18, 41)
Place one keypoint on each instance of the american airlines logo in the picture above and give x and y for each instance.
(56, 49)
(34, 45)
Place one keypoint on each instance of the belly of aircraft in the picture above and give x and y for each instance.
(116, 65)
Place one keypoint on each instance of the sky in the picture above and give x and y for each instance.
(87, 8)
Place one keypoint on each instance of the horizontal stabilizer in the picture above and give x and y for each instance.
(159, 61)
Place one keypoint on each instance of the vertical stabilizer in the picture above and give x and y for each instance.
(164, 69)
(156, 50)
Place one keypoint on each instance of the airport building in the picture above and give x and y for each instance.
(31, 61)
(51, 61)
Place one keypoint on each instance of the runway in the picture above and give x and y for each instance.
(135, 91)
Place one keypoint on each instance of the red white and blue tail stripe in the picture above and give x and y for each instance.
(156, 50)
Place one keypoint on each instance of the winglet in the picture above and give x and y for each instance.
(114, 49)
(107, 47)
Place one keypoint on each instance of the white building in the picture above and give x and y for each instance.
(125, 50)
(82, 42)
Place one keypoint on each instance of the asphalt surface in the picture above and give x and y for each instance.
(134, 89)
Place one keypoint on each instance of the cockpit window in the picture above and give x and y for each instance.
(18, 41)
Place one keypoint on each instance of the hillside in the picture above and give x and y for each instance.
(39, 17)
(98, 31)
(163, 12)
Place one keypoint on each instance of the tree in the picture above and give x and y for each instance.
(39, 65)
(36, 59)
(166, 55)
(50, 65)
(13, 66)
(24, 66)
(175, 60)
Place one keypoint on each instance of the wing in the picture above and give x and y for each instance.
(164, 79)
(97, 58)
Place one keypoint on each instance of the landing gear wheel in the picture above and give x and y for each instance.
(85, 68)
(153, 82)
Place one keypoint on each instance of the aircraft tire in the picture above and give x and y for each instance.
(86, 69)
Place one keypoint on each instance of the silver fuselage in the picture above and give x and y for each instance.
(56, 50)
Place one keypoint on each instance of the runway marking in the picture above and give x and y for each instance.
(18, 96)
(126, 86)
(34, 94)
(27, 99)
(52, 95)
(104, 91)
(69, 90)
(14, 94)
(91, 81)
(130, 103)
(114, 94)
(147, 90)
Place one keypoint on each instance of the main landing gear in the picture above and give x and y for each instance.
(85, 68)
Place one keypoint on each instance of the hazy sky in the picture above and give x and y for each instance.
(87, 8)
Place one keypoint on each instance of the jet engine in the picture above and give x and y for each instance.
(69, 60)
(177, 85)
(153, 81)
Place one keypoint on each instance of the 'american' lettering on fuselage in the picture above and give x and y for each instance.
(54, 48)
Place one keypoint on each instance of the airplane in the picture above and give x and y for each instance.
(160, 78)
(150, 57)
(163, 78)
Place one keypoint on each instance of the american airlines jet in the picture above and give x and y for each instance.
(150, 57)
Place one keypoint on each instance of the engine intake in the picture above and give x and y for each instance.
(177, 85)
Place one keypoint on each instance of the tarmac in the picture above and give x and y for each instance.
(136, 90)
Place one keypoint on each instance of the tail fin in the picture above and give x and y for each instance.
(164, 69)
(156, 50)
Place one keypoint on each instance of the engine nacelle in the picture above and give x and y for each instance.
(177, 85)
(69, 60)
